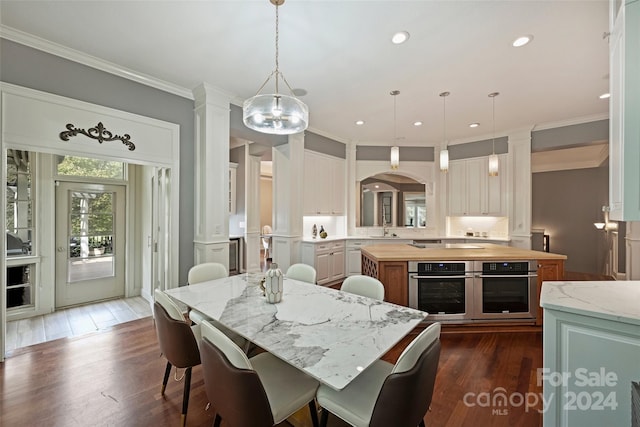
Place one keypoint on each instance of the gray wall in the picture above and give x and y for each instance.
(32, 68)
(566, 204)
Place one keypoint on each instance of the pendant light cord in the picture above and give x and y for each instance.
(277, 47)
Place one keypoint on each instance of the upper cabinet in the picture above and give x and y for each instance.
(324, 184)
(624, 110)
(472, 192)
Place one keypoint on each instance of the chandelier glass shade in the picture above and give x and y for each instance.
(275, 113)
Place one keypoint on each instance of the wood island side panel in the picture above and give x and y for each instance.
(393, 275)
(548, 269)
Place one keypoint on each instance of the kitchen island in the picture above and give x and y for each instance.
(390, 264)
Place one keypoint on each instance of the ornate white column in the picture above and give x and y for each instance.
(632, 240)
(519, 174)
(288, 164)
(211, 163)
(353, 190)
(252, 212)
(376, 214)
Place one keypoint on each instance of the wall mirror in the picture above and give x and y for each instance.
(391, 200)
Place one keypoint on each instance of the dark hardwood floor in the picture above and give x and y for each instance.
(113, 378)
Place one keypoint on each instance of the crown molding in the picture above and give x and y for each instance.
(91, 61)
(570, 122)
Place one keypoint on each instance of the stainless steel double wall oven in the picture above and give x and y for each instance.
(467, 291)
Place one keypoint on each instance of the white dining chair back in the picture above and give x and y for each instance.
(302, 272)
(169, 305)
(260, 391)
(364, 285)
(385, 394)
(206, 271)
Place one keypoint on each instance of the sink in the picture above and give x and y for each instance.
(444, 246)
(461, 246)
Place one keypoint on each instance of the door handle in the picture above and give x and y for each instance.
(61, 249)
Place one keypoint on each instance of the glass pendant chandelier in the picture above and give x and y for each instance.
(494, 163)
(275, 113)
(444, 154)
(395, 150)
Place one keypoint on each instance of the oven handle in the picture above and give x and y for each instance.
(415, 276)
(504, 276)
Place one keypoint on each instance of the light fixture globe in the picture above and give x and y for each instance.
(275, 114)
(444, 160)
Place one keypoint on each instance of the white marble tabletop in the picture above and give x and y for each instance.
(612, 300)
(329, 334)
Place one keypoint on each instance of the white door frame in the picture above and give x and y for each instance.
(32, 120)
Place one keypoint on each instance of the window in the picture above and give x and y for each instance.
(19, 217)
(93, 168)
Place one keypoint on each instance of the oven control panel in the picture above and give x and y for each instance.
(513, 267)
(438, 268)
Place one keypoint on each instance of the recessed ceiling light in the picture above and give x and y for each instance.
(522, 40)
(418, 123)
(474, 125)
(605, 95)
(400, 37)
(359, 122)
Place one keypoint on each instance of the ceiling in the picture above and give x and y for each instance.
(340, 53)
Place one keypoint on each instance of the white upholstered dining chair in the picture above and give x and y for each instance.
(260, 391)
(302, 272)
(389, 395)
(364, 285)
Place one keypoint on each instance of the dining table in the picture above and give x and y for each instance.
(329, 334)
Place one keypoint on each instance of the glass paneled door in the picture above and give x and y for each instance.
(90, 243)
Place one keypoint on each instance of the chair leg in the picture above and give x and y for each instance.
(185, 397)
(167, 372)
(324, 417)
(217, 420)
(314, 412)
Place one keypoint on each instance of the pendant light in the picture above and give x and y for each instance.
(275, 113)
(494, 163)
(444, 154)
(395, 150)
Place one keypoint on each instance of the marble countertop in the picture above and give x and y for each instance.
(466, 251)
(329, 334)
(611, 300)
(403, 238)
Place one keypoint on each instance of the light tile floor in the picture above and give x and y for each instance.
(75, 321)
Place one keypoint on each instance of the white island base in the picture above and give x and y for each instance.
(591, 354)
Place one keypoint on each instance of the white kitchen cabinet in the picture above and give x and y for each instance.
(327, 257)
(324, 184)
(354, 256)
(591, 348)
(472, 192)
(624, 110)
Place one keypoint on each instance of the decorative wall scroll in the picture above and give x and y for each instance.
(98, 132)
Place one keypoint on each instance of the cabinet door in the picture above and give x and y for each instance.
(337, 264)
(310, 197)
(495, 201)
(457, 188)
(323, 266)
(337, 189)
(476, 184)
(354, 261)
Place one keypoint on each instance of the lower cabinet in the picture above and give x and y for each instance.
(591, 376)
(328, 258)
